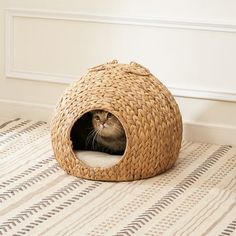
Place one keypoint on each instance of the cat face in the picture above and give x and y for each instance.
(106, 124)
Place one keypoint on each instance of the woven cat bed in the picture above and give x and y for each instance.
(146, 109)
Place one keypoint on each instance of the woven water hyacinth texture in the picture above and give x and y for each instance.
(196, 197)
(147, 110)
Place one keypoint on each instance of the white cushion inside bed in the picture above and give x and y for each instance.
(98, 159)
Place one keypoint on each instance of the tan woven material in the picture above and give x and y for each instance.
(146, 109)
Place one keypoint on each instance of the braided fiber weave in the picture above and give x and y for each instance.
(147, 110)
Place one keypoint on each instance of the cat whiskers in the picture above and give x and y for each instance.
(118, 129)
(94, 138)
(90, 137)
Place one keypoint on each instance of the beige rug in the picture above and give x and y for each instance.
(196, 197)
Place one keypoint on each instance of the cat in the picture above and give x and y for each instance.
(107, 132)
(99, 130)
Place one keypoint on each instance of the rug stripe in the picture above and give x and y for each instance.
(58, 209)
(22, 132)
(46, 202)
(5, 124)
(176, 192)
(39, 198)
(153, 191)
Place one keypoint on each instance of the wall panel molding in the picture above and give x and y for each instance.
(186, 24)
(165, 22)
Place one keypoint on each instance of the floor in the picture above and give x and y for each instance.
(196, 197)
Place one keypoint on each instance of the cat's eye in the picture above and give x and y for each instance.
(96, 117)
(109, 115)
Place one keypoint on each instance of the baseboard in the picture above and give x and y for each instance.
(193, 131)
(33, 111)
(210, 133)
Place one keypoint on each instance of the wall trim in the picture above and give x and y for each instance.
(203, 94)
(193, 131)
(210, 133)
(124, 20)
(165, 22)
(41, 76)
(34, 111)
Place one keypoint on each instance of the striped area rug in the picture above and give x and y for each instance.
(196, 197)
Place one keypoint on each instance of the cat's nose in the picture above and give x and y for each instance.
(102, 124)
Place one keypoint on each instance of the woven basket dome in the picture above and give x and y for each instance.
(146, 109)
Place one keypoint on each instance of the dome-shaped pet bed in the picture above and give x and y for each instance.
(146, 109)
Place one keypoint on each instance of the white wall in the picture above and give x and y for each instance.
(189, 45)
